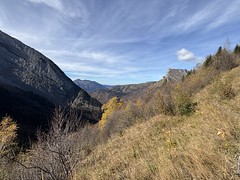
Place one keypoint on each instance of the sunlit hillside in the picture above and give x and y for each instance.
(202, 146)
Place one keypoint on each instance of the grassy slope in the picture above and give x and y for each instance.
(202, 146)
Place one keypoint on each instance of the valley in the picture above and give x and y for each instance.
(119, 90)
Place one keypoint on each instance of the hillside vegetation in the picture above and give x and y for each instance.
(202, 146)
(185, 130)
(188, 130)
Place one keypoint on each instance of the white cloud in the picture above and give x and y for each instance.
(185, 55)
(78, 68)
(56, 4)
(98, 56)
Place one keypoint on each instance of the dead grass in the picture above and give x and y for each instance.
(202, 146)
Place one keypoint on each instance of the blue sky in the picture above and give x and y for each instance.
(122, 41)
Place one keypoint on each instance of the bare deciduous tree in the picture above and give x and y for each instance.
(56, 153)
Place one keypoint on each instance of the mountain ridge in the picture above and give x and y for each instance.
(22, 61)
(90, 86)
(134, 91)
(25, 71)
(121, 91)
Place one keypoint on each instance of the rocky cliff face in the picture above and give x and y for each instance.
(176, 74)
(27, 71)
(89, 106)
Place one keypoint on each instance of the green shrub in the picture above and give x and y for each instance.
(183, 102)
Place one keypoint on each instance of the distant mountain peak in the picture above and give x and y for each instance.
(175, 74)
(89, 86)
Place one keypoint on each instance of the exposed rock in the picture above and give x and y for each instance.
(27, 69)
(176, 74)
(90, 107)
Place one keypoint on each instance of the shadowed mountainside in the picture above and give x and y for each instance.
(32, 85)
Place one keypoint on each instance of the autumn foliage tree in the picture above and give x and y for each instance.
(108, 108)
(8, 134)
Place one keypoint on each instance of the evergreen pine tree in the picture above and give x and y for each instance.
(208, 61)
(237, 49)
(219, 50)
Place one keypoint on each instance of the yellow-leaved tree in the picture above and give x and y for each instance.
(8, 134)
(112, 105)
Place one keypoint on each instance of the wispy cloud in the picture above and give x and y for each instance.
(102, 57)
(229, 14)
(90, 71)
(74, 9)
(200, 17)
(123, 39)
(56, 4)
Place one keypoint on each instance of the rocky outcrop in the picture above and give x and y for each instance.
(90, 107)
(176, 74)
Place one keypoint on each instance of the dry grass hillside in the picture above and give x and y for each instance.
(204, 145)
(184, 130)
